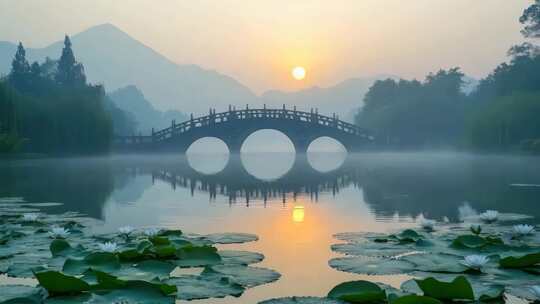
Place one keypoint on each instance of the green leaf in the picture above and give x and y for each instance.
(441, 263)
(197, 287)
(143, 246)
(408, 236)
(246, 276)
(302, 300)
(238, 257)
(458, 289)
(139, 292)
(171, 232)
(146, 271)
(469, 241)
(493, 296)
(165, 251)
(20, 294)
(525, 261)
(106, 281)
(231, 238)
(362, 265)
(358, 292)
(197, 256)
(57, 283)
(159, 240)
(414, 299)
(59, 247)
(102, 261)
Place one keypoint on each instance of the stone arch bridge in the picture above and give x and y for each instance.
(234, 126)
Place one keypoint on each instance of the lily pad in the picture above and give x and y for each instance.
(13, 294)
(414, 299)
(362, 265)
(102, 261)
(529, 260)
(193, 287)
(358, 292)
(231, 238)
(197, 256)
(240, 257)
(57, 283)
(370, 249)
(443, 263)
(458, 289)
(139, 292)
(146, 270)
(246, 276)
(303, 300)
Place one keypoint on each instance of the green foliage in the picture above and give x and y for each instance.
(416, 114)
(53, 108)
(529, 260)
(531, 20)
(414, 299)
(507, 122)
(458, 289)
(358, 292)
(69, 72)
(58, 283)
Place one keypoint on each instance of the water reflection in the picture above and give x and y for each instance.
(326, 162)
(268, 166)
(207, 163)
(298, 214)
(401, 185)
(295, 214)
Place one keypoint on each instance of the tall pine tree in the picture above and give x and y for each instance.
(70, 72)
(20, 69)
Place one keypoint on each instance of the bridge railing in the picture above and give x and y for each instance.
(245, 114)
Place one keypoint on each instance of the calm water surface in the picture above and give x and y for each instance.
(293, 203)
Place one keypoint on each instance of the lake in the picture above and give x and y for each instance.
(295, 204)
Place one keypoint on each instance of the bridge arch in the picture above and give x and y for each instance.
(267, 140)
(208, 144)
(326, 144)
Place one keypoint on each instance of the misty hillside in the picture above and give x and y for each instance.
(113, 58)
(132, 100)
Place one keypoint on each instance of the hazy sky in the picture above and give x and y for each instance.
(259, 42)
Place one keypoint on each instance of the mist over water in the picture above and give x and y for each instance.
(294, 203)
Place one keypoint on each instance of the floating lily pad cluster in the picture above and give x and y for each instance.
(453, 262)
(73, 266)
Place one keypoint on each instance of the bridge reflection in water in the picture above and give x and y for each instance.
(236, 183)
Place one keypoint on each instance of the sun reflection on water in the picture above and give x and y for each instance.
(298, 214)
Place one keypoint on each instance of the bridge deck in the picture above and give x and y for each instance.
(246, 114)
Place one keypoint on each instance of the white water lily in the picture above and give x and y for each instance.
(59, 232)
(30, 217)
(151, 232)
(108, 247)
(522, 230)
(535, 290)
(126, 230)
(489, 216)
(475, 261)
(476, 228)
(427, 224)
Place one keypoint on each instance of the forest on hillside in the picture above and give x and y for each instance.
(502, 114)
(50, 108)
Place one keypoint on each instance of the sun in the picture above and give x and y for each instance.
(298, 73)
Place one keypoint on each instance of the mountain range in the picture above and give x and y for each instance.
(115, 59)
